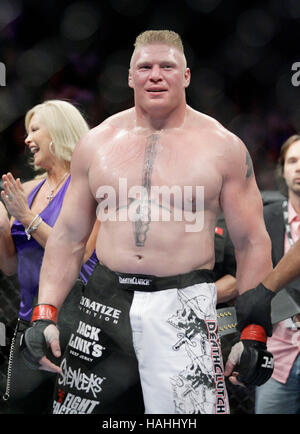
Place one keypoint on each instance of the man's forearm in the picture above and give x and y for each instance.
(226, 288)
(253, 265)
(60, 269)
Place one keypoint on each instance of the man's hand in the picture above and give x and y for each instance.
(254, 307)
(39, 336)
(254, 363)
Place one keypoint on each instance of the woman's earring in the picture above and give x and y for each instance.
(51, 148)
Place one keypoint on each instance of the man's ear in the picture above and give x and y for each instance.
(187, 77)
(130, 79)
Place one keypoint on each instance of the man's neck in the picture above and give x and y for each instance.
(295, 201)
(155, 122)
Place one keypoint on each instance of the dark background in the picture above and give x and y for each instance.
(240, 53)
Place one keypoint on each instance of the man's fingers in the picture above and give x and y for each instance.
(232, 374)
(235, 353)
(233, 379)
(234, 359)
(228, 368)
(52, 337)
(46, 365)
(55, 347)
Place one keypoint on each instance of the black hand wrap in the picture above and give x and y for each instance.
(254, 307)
(256, 364)
(34, 345)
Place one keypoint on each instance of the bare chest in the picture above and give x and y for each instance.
(177, 162)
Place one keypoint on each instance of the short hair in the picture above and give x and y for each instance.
(65, 125)
(163, 36)
(281, 160)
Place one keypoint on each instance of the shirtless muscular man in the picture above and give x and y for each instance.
(147, 322)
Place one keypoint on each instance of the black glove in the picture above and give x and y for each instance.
(254, 307)
(255, 363)
(39, 335)
(34, 345)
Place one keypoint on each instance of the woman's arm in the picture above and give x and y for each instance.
(8, 256)
(18, 207)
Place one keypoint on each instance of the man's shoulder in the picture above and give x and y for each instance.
(110, 126)
(214, 130)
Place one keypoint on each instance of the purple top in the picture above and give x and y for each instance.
(30, 253)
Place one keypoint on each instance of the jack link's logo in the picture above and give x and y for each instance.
(158, 203)
(85, 342)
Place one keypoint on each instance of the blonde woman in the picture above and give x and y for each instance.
(53, 129)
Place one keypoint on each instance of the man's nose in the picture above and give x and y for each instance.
(155, 73)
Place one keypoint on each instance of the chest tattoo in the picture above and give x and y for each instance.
(141, 225)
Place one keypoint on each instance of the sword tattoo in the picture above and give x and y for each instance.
(141, 226)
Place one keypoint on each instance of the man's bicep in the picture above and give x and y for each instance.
(78, 212)
(241, 201)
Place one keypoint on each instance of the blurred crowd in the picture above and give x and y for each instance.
(240, 56)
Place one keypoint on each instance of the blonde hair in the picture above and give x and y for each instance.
(163, 36)
(167, 37)
(64, 123)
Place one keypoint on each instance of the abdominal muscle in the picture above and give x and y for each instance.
(167, 250)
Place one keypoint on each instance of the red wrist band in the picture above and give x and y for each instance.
(254, 332)
(44, 311)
